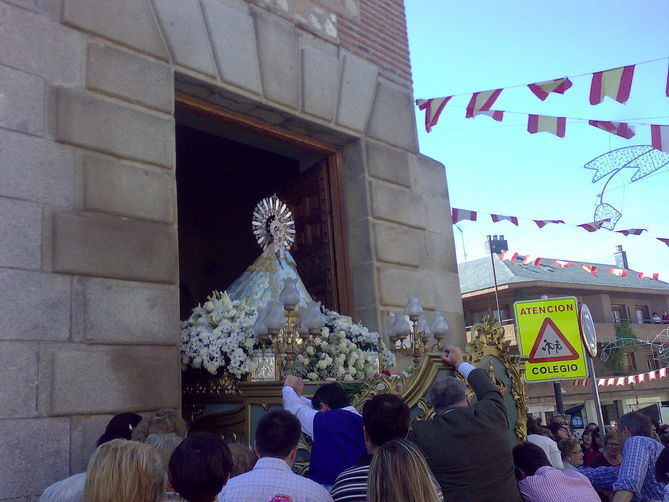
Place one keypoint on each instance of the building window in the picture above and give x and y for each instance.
(641, 314)
(652, 358)
(619, 313)
(477, 317)
(630, 363)
(501, 315)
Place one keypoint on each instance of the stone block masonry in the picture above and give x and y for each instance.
(89, 274)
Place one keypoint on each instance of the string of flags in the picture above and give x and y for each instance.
(528, 259)
(458, 215)
(625, 380)
(615, 83)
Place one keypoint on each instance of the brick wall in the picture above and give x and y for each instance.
(374, 30)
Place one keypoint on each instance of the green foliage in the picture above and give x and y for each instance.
(521, 295)
(625, 338)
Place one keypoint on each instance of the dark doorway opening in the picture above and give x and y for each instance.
(222, 172)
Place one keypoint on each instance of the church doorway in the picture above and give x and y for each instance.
(226, 163)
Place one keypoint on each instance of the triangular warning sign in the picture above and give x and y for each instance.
(551, 345)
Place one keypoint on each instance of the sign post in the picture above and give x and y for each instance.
(549, 334)
(589, 335)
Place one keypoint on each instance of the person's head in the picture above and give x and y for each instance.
(330, 396)
(596, 439)
(277, 435)
(557, 419)
(570, 450)
(545, 431)
(448, 393)
(125, 471)
(664, 434)
(120, 427)
(165, 444)
(384, 417)
(612, 443)
(200, 466)
(533, 427)
(655, 314)
(559, 430)
(587, 438)
(662, 467)
(528, 457)
(243, 459)
(161, 422)
(591, 426)
(399, 472)
(635, 424)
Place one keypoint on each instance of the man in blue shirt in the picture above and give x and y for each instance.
(634, 480)
(333, 424)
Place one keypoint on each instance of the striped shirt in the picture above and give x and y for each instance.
(553, 485)
(351, 484)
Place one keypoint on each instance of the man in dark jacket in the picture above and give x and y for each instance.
(467, 446)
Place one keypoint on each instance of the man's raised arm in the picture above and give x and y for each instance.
(488, 396)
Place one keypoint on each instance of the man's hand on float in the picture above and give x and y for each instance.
(295, 382)
(453, 356)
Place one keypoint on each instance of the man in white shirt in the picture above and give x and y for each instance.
(276, 439)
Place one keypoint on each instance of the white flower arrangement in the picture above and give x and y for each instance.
(218, 335)
(343, 351)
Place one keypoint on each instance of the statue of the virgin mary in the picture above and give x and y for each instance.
(263, 280)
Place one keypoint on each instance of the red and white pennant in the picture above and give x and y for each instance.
(527, 259)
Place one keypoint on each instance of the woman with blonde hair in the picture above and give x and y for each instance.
(399, 473)
(125, 471)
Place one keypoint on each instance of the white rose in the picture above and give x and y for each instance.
(312, 376)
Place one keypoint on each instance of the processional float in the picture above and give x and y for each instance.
(237, 347)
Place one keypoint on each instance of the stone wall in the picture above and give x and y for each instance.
(88, 255)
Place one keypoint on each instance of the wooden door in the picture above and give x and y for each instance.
(308, 197)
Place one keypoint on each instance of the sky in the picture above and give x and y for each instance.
(463, 47)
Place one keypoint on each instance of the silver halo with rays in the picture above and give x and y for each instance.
(273, 223)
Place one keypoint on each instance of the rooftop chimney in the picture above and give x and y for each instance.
(497, 243)
(621, 257)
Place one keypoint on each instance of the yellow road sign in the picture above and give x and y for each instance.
(549, 335)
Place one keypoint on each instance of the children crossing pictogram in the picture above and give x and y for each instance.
(551, 345)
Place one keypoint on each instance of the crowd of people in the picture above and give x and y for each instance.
(463, 454)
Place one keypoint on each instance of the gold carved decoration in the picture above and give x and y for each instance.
(488, 340)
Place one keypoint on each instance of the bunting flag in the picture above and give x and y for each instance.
(593, 225)
(496, 115)
(591, 269)
(433, 108)
(458, 215)
(646, 275)
(660, 137)
(544, 123)
(615, 84)
(534, 260)
(543, 89)
(462, 214)
(618, 128)
(543, 223)
(563, 264)
(632, 231)
(482, 102)
(508, 255)
(496, 218)
(620, 272)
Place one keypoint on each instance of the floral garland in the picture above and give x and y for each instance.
(218, 335)
(343, 350)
